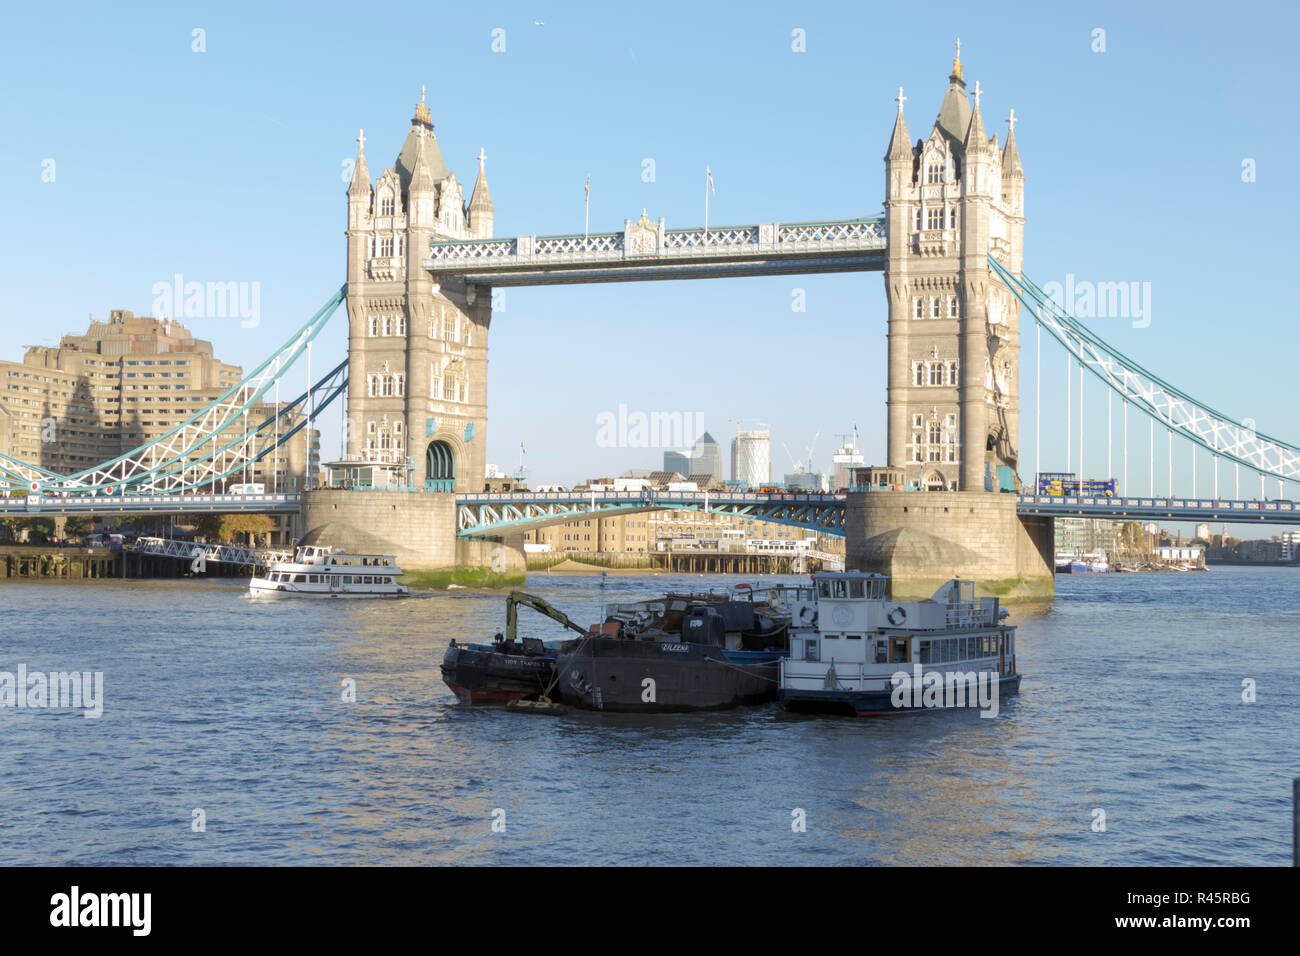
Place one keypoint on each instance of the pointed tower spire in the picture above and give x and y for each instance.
(975, 136)
(1010, 155)
(900, 144)
(360, 185)
(421, 175)
(481, 210)
(954, 113)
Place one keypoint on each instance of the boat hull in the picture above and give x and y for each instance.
(627, 676)
(483, 675)
(873, 703)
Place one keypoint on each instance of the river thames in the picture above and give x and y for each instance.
(1131, 704)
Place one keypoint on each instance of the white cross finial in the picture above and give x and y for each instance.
(899, 99)
(959, 48)
(978, 94)
(1011, 119)
(421, 92)
(481, 156)
(361, 139)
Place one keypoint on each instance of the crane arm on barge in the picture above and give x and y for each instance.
(517, 598)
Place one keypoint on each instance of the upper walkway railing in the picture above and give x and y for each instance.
(648, 250)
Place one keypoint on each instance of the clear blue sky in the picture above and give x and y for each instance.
(225, 166)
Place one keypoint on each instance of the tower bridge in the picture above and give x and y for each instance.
(421, 264)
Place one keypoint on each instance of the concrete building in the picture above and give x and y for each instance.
(121, 384)
(751, 457)
(418, 350)
(951, 199)
(1087, 535)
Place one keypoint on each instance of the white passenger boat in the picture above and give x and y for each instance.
(854, 651)
(323, 572)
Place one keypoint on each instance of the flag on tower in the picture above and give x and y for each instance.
(709, 175)
(586, 201)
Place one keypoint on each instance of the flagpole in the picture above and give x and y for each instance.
(586, 222)
(706, 202)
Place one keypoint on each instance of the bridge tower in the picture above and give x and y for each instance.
(417, 350)
(951, 199)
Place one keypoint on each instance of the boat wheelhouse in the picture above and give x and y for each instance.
(854, 651)
(318, 571)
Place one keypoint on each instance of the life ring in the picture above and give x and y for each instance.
(897, 616)
(808, 616)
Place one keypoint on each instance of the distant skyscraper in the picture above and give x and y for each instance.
(705, 459)
(751, 457)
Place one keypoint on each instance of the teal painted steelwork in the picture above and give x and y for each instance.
(100, 477)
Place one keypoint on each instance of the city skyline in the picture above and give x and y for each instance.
(1073, 101)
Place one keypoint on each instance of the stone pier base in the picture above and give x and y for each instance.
(923, 538)
(419, 528)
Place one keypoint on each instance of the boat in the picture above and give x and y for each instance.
(1089, 564)
(323, 572)
(856, 652)
(509, 668)
(679, 653)
(700, 650)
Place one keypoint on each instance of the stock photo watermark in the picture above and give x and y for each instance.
(656, 429)
(56, 690)
(1103, 300)
(946, 689)
(178, 299)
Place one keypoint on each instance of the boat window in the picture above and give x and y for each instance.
(898, 651)
(824, 588)
(810, 651)
(830, 637)
(923, 656)
(856, 589)
(300, 579)
(841, 589)
(882, 652)
(854, 637)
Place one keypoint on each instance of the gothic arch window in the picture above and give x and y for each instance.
(936, 373)
(920, 373)
(399, 324)
(386, 204)
(935, 308)
(918, 218)
(934, 170)
(918, 307)
(386, 247)
(952, 373)
(399, 384)
(374, 326)
(934, 219)
(952, 217)
(386, 324)
(370, 386)
(952, 307)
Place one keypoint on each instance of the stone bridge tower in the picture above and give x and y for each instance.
(417, 351)
(951, 199)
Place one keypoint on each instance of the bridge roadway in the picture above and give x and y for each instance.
(491, 514)
(130, 504)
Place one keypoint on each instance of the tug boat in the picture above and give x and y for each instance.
(853, 651)
(324, 572)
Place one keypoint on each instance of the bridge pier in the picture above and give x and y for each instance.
(418, 527)
(923, 538)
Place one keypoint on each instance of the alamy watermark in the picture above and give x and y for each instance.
(1103, 300)
(937, 690)
(637, 429)
(56, 690)
(179, 299)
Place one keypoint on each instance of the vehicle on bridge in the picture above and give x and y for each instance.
(249, 488)
(1067, 485)
(323, 572)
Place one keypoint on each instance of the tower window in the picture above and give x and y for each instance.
(952, 218)
(934, 173)
(386, 205)
(936, 373)
(920, 373)
(918, 218)
(385, 247)
(952, 307)
(952, 374)
(935, 308)
(934, 219)
(920, 307)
